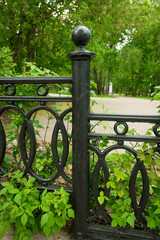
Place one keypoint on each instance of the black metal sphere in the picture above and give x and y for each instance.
(81, 36)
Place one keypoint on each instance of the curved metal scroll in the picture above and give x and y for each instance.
(139, 208)
(29, 158)
(139, 166)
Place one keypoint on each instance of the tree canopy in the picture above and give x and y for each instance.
(125, 37)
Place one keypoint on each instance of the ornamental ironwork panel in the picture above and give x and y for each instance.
(119, 140)
(40, 97)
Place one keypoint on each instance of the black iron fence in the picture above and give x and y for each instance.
(81, 186)
(41, 99)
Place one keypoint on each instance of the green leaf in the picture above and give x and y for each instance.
(47, 231)
(17, 198)
(70, 213)
(119, 202)
(6, 184)
(24, 218)
(45, 208)
(26, 238)
(157, 211)
(114, 222)
(44, 219)
(51, 220)
(130, 220)
(120, 193)
(113, 185)
(151, 223)
(101, 200)
(125, 214)
(3, 191)
(56, 229)
(13, 190)
(59, 222)
(127, 201)
(56, 205)
(19, 213)
(32, 221)
(5, 205)
(29, 212)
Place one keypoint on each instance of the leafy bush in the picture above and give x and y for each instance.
(29, 211)
(119, 202)
(6, 62)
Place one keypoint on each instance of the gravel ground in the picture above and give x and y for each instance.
(40, 236)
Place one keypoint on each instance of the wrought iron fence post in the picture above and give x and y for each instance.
(81, 106)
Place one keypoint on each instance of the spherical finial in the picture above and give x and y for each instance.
(81, 36)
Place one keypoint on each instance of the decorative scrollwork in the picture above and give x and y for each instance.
(12, 89)
(40, 93)
(28, 155)
(3, 147)
(27, 125)
(124, 131)
(156, 131)
(139, 208)
(139, 166)
(101, 164)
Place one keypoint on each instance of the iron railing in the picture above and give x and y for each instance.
(84, 228)
(11, 96)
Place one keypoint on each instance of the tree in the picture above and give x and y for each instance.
(28, 27)
(125, 37)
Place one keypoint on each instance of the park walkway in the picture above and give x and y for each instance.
(127, 105)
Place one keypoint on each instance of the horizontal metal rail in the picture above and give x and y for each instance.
(129, 138)
(124, 118)
(35, 80)
(35, 99)
(50, 188)
(103, 232)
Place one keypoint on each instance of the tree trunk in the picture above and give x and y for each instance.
(96, 81)
(106, 86)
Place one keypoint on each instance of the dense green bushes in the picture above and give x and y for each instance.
(23, 207)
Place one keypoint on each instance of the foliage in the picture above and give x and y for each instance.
(29, 26)
(119, 202)
(151, 159)
(29, 211)
(125, 37)
(6, 62)
(16, 120)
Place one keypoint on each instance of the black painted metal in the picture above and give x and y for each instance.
(127, 138)
(29, 158)
(80, 173)
(35, 99)
(124, 118)
(35, 80)
(84, 228)
(81, 106)
(105, 232)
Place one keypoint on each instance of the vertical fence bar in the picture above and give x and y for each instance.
(81, 106)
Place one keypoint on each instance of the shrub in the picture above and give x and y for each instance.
(29, 211)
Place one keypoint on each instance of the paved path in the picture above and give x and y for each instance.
(127, 105)
(116, 105)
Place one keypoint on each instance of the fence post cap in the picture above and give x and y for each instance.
(81, 36)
